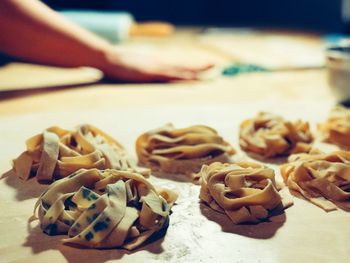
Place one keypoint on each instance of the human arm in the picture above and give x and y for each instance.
(31, 31)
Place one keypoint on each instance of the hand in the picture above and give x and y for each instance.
(136, 66)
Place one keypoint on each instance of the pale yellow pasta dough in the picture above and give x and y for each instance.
(246, 192)
(181, 151)
(323, 179)
(104, 209)
(337, 127)
(269, 135)
(56, 153)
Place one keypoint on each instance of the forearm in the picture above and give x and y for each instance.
(31, 31)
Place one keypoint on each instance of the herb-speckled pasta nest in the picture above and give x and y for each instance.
(56, 153)
(104, 209)
(270, 135)
(168, 150)
(246, 192)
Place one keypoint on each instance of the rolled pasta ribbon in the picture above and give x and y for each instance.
(181, 151)
(323, 179)
(104, 209)
(56, 153)
(246, 192)
(337, 127)
(270, 135)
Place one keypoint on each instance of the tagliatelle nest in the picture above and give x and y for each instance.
(323, 179)
(337, 128)
(56, 153)
(181, 151)
(270, 135)
(246, 192)
(104, 209)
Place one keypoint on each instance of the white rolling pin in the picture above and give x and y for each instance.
(116, 26)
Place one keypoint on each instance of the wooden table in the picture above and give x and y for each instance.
(196, 234)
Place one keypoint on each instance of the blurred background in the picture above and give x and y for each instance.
(225, 32)
(307, 15)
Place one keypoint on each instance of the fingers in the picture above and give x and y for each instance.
(196, 69)
(168, 77)
(147, 77)
(154, 72)
(178, 73)
(203, 68)
(165, 75)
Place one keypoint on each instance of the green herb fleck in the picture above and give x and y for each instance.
(89, 236)
(99, 226)
(93, 206)
(91, 219)
(68, 222)
(88, 194)
(85, 192)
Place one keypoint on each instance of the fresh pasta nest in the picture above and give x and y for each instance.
(56, 153)
(181, 151)
(323, 179)
(337, 128)
(104, 209)
(270, 135)
(246, 192)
